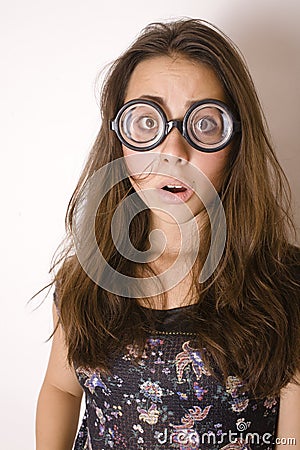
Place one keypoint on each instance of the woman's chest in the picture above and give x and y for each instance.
(170, 397)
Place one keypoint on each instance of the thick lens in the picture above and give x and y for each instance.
(141, 125)
(209, 126)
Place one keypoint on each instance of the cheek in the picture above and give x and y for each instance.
(136, 165)
(130, 162)
(213, 165)
(140, 164)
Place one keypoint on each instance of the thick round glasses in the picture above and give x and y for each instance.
(208, 125)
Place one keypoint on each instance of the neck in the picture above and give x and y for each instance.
(170, 240)
(173, 257)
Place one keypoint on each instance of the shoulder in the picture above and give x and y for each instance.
(289, 414)
(60, 374)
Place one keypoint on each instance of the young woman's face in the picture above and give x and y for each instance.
(175, 84)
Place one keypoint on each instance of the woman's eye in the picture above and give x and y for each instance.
(207, 125)
(147, 123)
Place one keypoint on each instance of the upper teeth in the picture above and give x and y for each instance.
(174, 186)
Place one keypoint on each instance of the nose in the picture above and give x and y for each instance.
(176, 146)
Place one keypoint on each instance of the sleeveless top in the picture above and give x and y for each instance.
(169, 400)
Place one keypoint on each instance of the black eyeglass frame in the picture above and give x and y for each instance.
(181, 125)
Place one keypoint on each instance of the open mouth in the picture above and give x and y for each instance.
(175, 192)
(174, 189)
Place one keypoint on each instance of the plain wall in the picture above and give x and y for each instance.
(51, 53)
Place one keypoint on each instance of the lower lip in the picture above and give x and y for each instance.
(179, 197)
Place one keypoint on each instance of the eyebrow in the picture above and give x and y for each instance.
(161, 101)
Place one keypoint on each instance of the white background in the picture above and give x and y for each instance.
(51, 53)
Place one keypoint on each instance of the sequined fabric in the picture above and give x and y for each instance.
(169, 400)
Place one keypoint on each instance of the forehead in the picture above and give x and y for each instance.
(176, 80)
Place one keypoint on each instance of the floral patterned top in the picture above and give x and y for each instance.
(169, 400)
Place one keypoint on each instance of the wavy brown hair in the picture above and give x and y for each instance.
(248, 312)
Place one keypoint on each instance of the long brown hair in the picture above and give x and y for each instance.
(248, 312)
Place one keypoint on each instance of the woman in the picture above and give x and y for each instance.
(194, 361)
